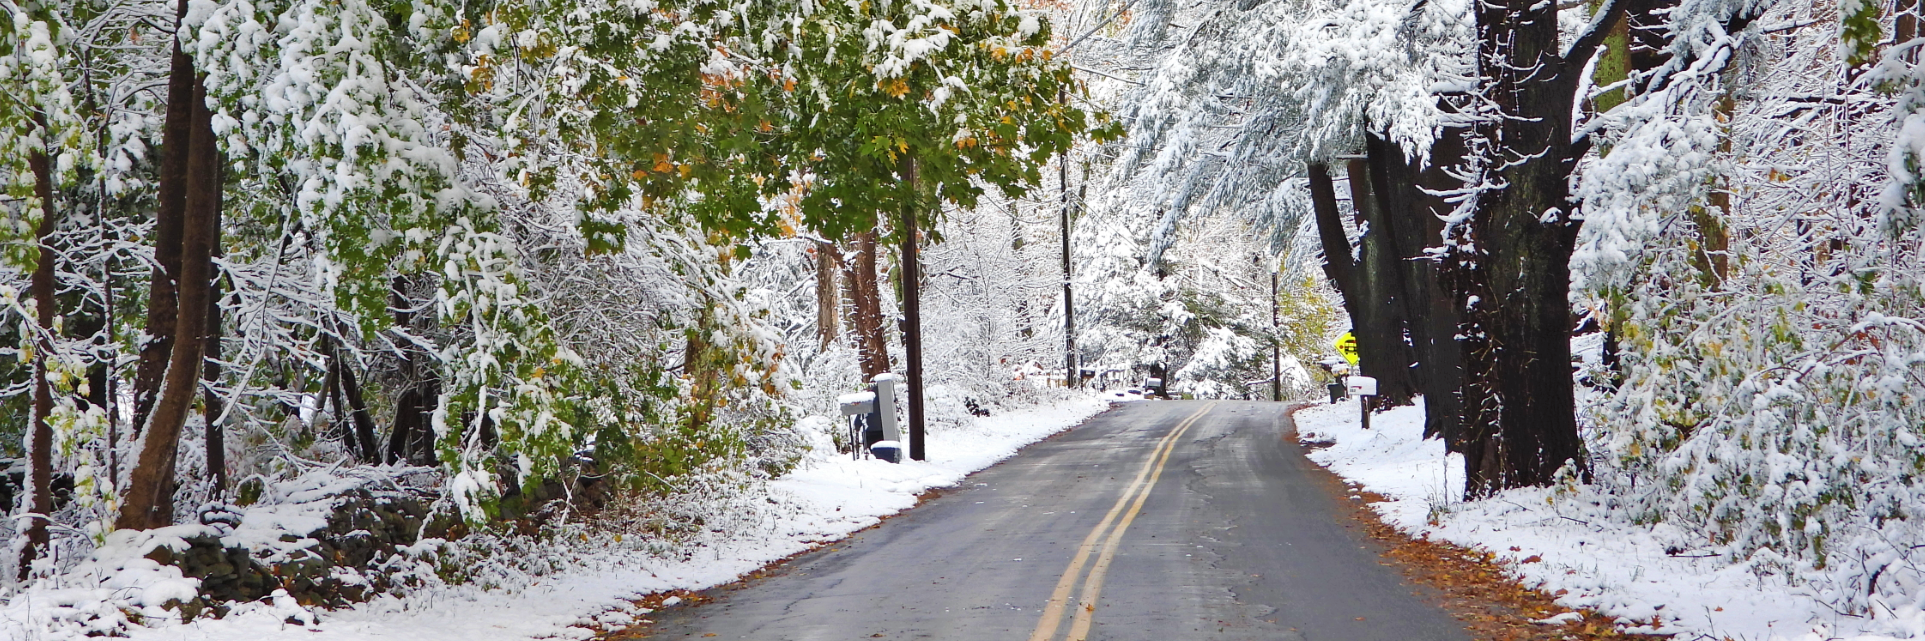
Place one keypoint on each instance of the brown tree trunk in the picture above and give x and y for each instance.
(163, 308)
(704, 377)
(1338, 264)
(39, 444)
(1713, 257)
(211, 404)
(870, 333)
(149, 500)
(851, 294)
(1414, 225)
(1905, 21)
(1382, 351)
(110, 381)
(828, 301)
(362, 436)
(412, 439)
(352, 421)
(330, 403)
(1512, 261)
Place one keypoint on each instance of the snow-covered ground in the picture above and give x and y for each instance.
(827, 498)
(1564, 541)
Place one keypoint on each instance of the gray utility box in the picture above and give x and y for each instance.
(873, 419)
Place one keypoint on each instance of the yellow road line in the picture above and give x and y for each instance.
(1137, 492)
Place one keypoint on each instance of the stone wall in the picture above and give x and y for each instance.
(363, 550)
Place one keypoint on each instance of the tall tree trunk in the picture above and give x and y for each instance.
(110, 381)
(1905, 21)
(149, 499)
(352, 421)
(851, 304)
(362, 436)
(330, 403)
(1414, 224)
(412, 439)
(39, 444)
(912, 309)
(828, 301)
(1339, 266)
(1369, 295)
(1638, 44)
(1713, 256)
(1512, 270)
(212, 407)
(163, 308)
(1384, 353)
(870, 332)
(705, 378)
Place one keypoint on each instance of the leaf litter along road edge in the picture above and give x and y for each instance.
(1469, 584)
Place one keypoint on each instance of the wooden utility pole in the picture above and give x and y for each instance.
(912, 312)
(1276, 346)
(1071, 377)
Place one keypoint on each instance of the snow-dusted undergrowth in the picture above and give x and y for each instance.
(1588, 547)
(561, 587)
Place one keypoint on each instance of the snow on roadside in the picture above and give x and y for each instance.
(853, 494)
(1566, 541)
(827, 498)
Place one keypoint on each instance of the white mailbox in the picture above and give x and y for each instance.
(857, 404)
(1362, 386)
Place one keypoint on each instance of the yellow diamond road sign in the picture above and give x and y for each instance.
(1347, 347)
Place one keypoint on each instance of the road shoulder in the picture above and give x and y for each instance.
(1471, 585)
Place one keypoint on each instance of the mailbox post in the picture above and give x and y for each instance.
(872, 423)
(1365, 389)
(859, 407)
(889, 446)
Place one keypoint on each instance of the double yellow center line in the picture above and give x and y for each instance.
(1128, 506)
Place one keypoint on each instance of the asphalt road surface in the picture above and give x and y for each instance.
(1154, 521)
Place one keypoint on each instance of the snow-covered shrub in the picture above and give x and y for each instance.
(1770, 324)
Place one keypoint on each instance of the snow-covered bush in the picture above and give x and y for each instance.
(1769, 322)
